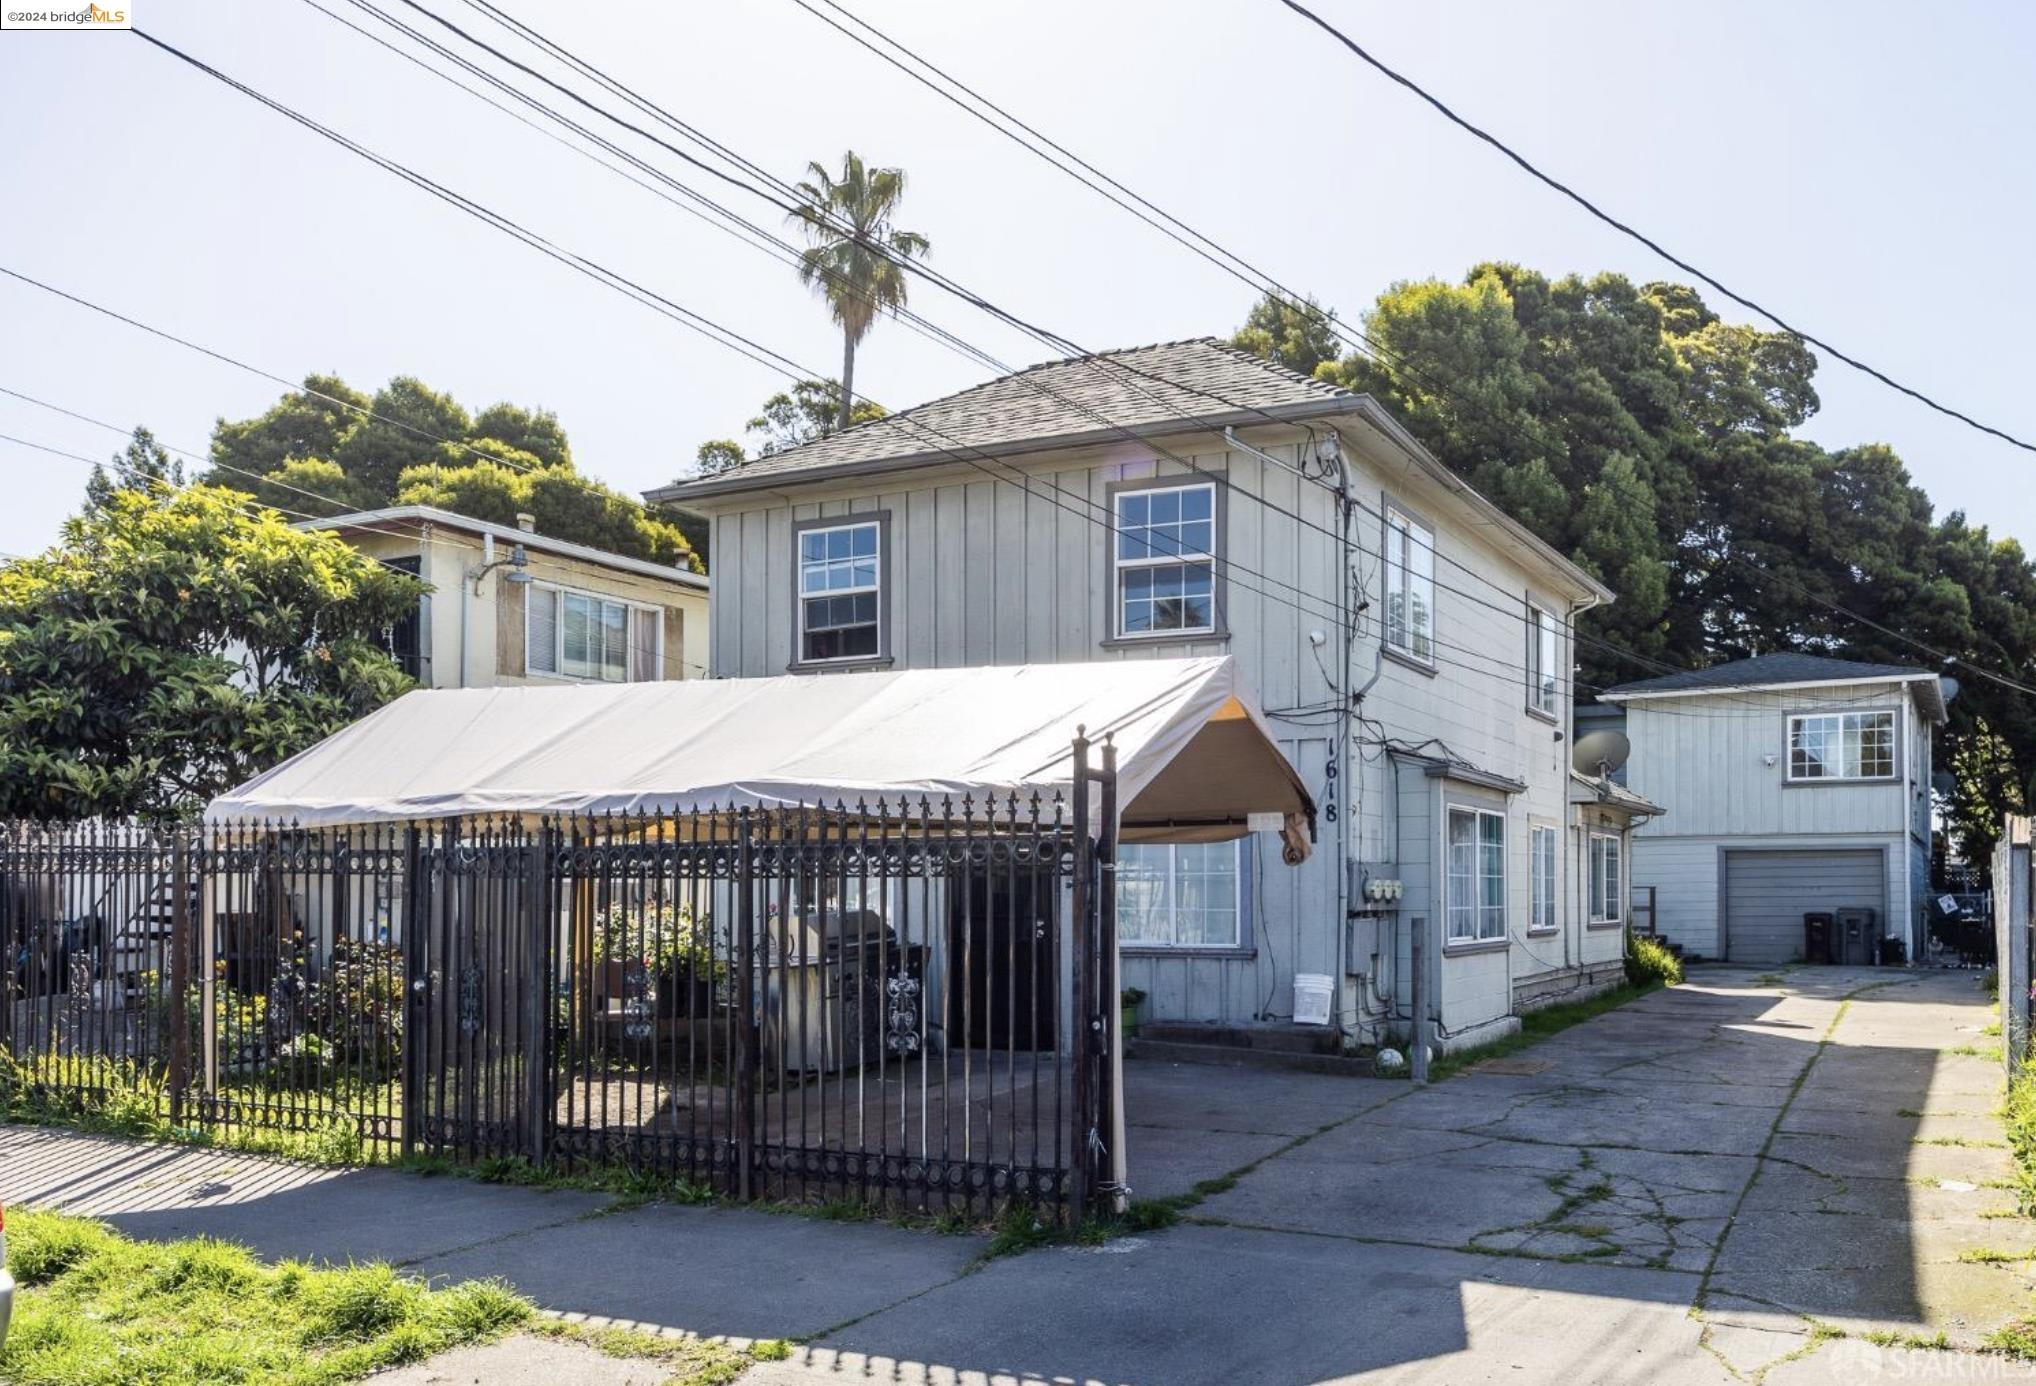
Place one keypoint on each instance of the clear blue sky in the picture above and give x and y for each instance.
(1864, 167)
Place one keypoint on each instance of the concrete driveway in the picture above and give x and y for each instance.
(1681, 1190)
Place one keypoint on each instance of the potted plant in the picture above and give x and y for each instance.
(675, 950)
(1129, 1000)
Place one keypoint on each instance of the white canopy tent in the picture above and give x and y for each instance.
(1195, 759)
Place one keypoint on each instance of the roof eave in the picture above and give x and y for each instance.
(1616, 695)
(543, 543)
(734, 482)
(1380, 418)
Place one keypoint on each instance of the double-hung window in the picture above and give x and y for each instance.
(841, 575)
(1164, 561)
(1180, 895)
(1842, 746)
(1410, 587)
(1542, 840)
(1608, 892)
(577, 635)
(1544, 645)
(1475, 903)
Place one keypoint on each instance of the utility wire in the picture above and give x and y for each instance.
(1557, 185)
(1231, 262)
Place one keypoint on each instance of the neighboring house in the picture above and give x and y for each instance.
(1795, 783)
(1412, 646)
(509, 605)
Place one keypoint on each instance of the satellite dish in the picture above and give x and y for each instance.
(1945, 783)
(1948, 686)
(1599, 753)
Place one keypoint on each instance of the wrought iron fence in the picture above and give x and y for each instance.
(895, 1003)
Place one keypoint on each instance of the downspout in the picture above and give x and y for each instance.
(1581, 838)
(467, 598)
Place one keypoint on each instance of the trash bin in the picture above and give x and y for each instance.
(1894, 952)
(1858, 936)
(1817, 930)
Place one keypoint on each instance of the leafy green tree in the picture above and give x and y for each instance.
(143, 465)
(855, 259)
(1294, 335)
(1989, 787)
(562, 503)
(1657, 445)
(306, 486)
(788, 419)
(303, 423)
(310, 457)
(176, 643)
(532, 431)
(410, 419)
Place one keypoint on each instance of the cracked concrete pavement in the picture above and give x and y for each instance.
(1681, 1190)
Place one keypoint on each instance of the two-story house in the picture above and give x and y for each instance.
(1409, 639)
(511, 606)
(1796, 784)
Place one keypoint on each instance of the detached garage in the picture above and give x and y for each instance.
(1767, 893)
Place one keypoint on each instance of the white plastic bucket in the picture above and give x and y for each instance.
(1313, 994)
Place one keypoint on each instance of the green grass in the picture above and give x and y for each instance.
(97, 1309)
(691, 1361)
(1536, 1026)
(1992, 1256)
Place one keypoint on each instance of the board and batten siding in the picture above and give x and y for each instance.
(986, 570)
(1706, 758)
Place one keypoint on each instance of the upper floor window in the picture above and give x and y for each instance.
(1475, 908)
(577, 635)
(1608, 895)
(1165, 560)
(1543, 656)
(1410, 586)
(841, 576)
(1180, 895)
(1842, 746)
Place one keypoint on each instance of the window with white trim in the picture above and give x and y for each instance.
(1541, 859)
(1410, 586)
(1543, 656)
(1180, 895)
(1842, 746)
(1474, 907)
(1165, 560)
(841, 574)
(577, 635)
(1608, 894)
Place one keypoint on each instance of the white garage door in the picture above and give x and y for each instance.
(1768, 893)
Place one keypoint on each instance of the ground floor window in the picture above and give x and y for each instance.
(1543, 863)
(1608, 894)
(1476, 887)
(1180, 895)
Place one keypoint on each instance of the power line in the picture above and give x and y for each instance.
(630, 287)
(1237, 266)
(716, 332)
(1608, 219)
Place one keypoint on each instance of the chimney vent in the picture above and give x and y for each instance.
(526, 522)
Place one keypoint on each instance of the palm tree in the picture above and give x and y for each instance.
(857, 259)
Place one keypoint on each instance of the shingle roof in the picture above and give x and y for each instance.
(1767, 669)
(1202, 382)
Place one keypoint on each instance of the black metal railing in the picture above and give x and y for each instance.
(899, 1004)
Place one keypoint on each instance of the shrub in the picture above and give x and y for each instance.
(1648, 962)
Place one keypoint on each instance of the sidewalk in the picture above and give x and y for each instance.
(1788, 1160)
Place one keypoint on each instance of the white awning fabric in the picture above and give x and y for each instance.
(1194, 756)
